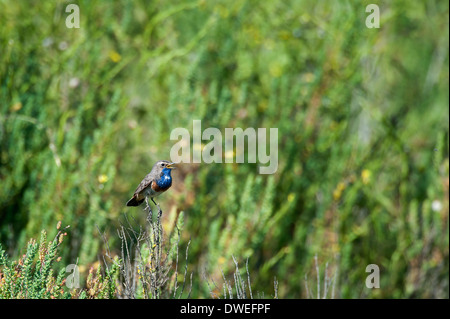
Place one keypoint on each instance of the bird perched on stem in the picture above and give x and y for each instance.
(154, 184)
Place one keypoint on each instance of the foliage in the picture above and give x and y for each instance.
(32, 275)
(363, 128)
(148, 268)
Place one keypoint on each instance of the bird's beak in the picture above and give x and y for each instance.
(171, 166)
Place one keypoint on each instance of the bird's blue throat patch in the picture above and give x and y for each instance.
(165, 180)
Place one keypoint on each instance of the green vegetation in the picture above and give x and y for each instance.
(363, 129)
(32, 275)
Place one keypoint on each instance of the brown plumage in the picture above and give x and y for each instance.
(149, 186)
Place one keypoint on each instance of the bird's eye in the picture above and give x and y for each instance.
(162, 165)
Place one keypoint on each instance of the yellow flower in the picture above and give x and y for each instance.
(198, 146)
(229, 154)
(291, 197)
(337, 193)
(365, 176)
(114, 56)
(16, 106)
(102, 179)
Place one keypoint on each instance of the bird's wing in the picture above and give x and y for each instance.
(146, 182)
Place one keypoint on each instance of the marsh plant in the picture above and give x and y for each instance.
(361, 118)
(33, 275)
(149, 262)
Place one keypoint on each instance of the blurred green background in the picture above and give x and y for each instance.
(362, 117)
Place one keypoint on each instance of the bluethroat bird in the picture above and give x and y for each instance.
(154, 184)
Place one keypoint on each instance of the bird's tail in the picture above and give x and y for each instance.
(134, 202)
